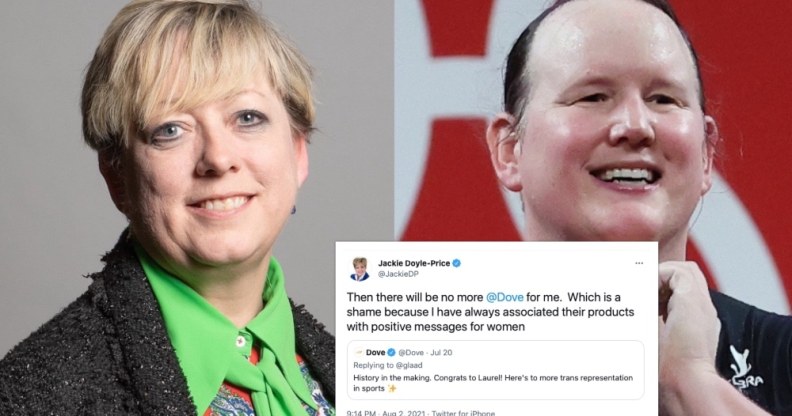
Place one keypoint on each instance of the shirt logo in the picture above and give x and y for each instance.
(741, 379)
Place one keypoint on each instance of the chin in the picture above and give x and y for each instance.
(222, 251)
(629, 228)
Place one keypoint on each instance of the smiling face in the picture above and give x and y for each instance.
(613, 144)
(210, 188)
(360, 269)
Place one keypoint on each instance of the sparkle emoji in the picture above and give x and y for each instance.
(391, 388)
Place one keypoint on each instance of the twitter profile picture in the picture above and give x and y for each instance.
(360, 269)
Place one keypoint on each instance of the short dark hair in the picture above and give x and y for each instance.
(516, 85)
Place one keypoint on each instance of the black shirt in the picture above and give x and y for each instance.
(755, 353)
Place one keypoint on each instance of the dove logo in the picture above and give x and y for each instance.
(741, 367)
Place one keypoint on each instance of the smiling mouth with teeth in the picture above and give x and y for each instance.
(628, 176)
(226, 204)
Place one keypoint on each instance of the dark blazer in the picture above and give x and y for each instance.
(353, 276)
(108, 353)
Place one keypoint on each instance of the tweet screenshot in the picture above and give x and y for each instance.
(496, 328)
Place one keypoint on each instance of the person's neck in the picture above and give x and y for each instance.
(240, 302)
(236, 291)
(673, 249)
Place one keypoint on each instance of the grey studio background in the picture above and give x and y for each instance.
(56, 217)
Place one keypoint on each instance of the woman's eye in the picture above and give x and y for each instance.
(250, 118)
(594, 98)
(168, 131)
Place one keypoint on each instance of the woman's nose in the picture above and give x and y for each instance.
(632, 124)
(218, 154)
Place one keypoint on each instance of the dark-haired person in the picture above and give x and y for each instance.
(605, 135)
(200, 112)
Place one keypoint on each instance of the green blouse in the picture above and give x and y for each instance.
(211, 349)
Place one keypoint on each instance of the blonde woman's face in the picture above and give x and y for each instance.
(360, 269)
(214, 185)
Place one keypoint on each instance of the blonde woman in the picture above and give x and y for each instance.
(200, 113)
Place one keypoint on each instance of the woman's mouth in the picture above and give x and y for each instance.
(628, 176)
(224, 204)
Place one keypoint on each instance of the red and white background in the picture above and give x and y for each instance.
(449, 56)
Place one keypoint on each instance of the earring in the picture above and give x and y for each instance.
(294, 209)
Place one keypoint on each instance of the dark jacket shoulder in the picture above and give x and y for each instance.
(71, 365)
(105, 353)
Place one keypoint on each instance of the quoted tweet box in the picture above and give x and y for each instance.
(464, 329)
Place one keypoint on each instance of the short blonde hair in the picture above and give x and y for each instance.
(210, 49)
(359, 260)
